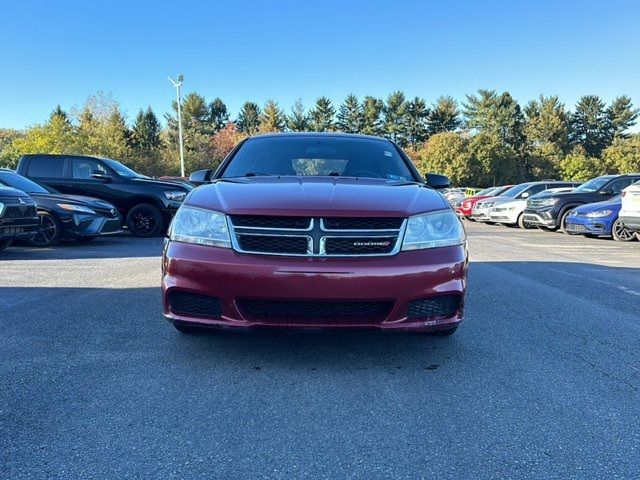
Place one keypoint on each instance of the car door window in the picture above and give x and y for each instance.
(82, 168)
(618, 185)
(535, 189)
(46, 167)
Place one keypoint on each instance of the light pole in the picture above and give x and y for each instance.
(178, 83)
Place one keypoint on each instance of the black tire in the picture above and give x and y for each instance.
(444, 333)
(188, 329)
(621, 234)
(5, 243)
(522, 224)
(563, 221)
(145, 220)
(49, 231)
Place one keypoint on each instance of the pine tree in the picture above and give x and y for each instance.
(372, 116)
(321, 116)
(249, 118)
(350, 115)
(444, 116)
(218, 114)
(622, 116)
(146, 130)
(60, 114)
(591, 126)
(298, 121)
(417, 114)
(271, 119)
(395, 117)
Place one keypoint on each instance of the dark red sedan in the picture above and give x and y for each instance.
(315, 230)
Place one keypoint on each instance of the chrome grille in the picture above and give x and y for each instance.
(315, 236)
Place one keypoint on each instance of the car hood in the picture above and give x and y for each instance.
(55, 198)
(614, 205)
(573, 195)
(317, 196)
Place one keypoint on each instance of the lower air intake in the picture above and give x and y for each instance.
(193, 304)
(441, 306)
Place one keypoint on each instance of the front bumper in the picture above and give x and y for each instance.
(589, 226)
(543, 218)
(19, 228)
(481, 214)
(631, 221)
(235, 279)
(89, 225)
(504, 216)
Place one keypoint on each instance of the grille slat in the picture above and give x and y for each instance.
(309, 312)
(263, 221)
(362, 223)
(292, 245)
(359, 245)
(441, 306)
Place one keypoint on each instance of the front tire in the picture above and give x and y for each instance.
(621, 234)
(49, 231)
(522, 224)
(5, 243)
(563, 221)
(145, 220)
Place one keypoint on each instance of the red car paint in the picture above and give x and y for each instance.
(233, 277)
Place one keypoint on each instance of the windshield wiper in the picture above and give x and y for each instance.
(258, 174)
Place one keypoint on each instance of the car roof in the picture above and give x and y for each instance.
(318, 134)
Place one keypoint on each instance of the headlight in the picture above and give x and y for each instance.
(432, 230)
(202, 227)
(599, 213)
(75, 208)
(176, 196)
(547, 202)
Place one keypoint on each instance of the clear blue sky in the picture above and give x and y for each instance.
(61, 52)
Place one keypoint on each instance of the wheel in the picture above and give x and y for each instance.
(5, 243)
(621, 234)
(522, 224)
(188, 329)
(637, 237)
(49, 231)
(563, 221)
(444, 333)
(145, 220)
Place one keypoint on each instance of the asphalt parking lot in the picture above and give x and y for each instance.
(541, 381)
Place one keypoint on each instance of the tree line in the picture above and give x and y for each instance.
(487, 139)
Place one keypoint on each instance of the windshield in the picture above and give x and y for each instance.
(120, 169)
(319, 156)
(21, 183)
(593, 185)
(515, 191)
(486, 191)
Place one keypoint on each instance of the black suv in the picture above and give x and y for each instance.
(147, 205)
(18, 218)
(551, 210)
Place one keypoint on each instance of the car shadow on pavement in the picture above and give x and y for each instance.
(123, 246)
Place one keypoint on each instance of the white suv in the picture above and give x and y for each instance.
(630, 212)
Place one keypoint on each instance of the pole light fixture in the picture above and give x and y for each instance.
(177, 84)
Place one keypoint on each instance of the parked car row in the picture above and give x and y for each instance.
(608, 205)
(50, 198)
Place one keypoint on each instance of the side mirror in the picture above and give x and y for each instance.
(525, 194)
(100, 175)
(437, 181)
(201, 177)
